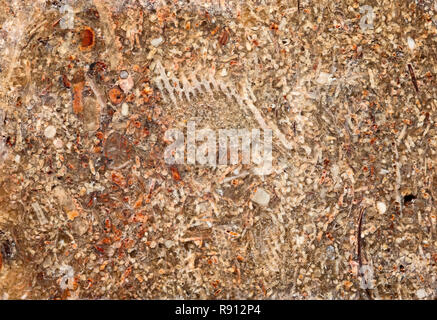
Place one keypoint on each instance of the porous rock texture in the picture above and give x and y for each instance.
(89, 209)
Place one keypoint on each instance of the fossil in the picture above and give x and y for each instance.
(190, 87)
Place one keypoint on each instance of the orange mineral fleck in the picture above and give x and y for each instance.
(87, 39)
(116, 95)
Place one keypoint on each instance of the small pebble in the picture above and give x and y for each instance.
(125, 109)
(126, 84)
(156, 42)
(421, 293)
(261, 197)
(330, 252)
(168, 243)
(50, 132)
(124, 74)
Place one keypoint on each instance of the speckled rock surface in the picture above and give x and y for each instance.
(89, 209)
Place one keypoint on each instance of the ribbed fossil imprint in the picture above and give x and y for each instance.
(175, 89)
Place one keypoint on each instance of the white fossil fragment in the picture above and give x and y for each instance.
(411, 43)
(50, 132)
(39, 213)
(381, 206)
